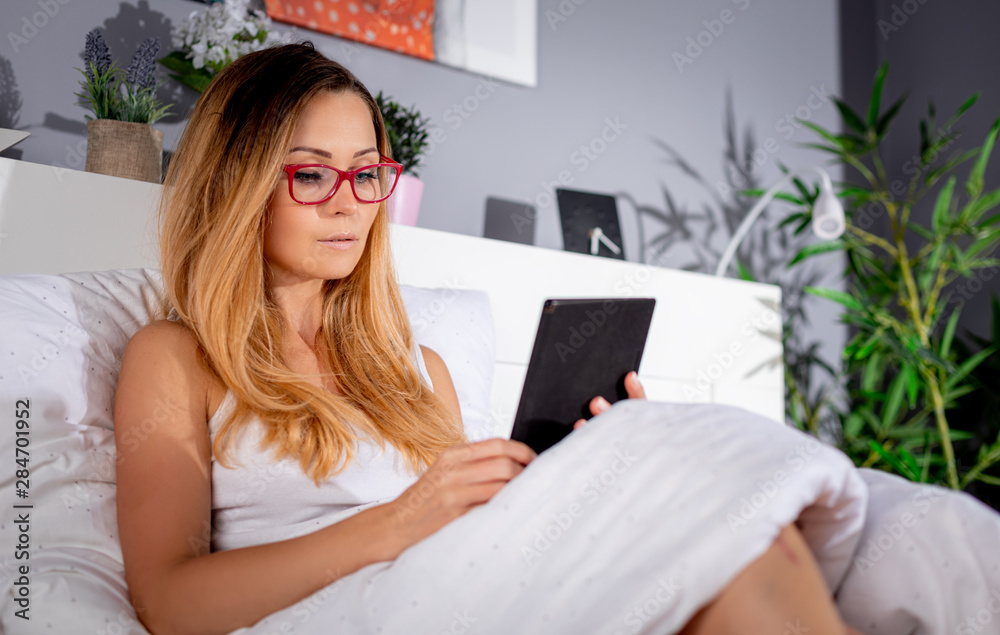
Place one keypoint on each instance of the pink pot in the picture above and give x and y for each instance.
(404, 204)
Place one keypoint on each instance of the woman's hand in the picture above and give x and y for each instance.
(599, 404)
(463, 477)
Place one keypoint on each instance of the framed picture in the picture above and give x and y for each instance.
(490, 37)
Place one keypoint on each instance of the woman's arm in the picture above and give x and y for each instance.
(164, 504)
(443, 386)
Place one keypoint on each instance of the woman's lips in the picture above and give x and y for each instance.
(340, 241)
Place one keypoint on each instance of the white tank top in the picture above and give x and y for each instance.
(260, 500)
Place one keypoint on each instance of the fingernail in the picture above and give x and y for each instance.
(601, 401)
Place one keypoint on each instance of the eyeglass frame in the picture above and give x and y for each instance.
(342, 175)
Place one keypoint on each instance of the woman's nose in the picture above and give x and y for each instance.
(342, 201)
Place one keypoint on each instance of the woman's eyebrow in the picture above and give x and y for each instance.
(324, 153)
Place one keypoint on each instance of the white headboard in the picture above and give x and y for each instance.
(712, 339)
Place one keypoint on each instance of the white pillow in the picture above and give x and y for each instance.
(63, 337)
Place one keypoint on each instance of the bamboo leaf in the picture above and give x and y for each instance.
(802, 225)
(876, 100)
(912, 382)
(853, 425)
(816, 248)
(819, 146)
(850, 117)
(891, 459)
(839, 297)
(791, 218)
(943, 206)
(974, 185)
(956, 160)
(961, 110)
(949, 333)
(986, 478)
(873, 372)
(744, 272)
(821, 131)
(981, 206)
(984, 243)
(967, 367)
(911, 463)
(893, 402)
(883, 123)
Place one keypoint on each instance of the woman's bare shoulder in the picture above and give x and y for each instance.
(168, 351)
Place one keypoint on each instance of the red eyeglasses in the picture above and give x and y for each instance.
(315, 183)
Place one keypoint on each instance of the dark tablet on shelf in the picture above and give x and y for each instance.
(583, 348)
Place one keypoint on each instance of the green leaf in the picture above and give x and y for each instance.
(816, 248)
(967, 367)
(949, 333)
(986, 242)
(893, 402)
(791, 218)
(961, 110)
(850, 117)
(853, 425)
(911, 463)
(891, 459)
(876, 100)
(930, 155)
(823, 132)
(744, 272)
(942, 208)
(974, 185)
(986, 478)
(883, 123)
(912, 382)
(839, 297)
(873, 372)
(982, 205)
(823, 148)
(957, 159)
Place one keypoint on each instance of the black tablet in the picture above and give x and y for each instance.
(583, 348)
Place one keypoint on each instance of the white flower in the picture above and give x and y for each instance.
(209, 36)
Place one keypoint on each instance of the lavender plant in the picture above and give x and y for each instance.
(109, 95)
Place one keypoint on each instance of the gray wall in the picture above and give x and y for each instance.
(650, 77)
(944, 51)
(607, 61)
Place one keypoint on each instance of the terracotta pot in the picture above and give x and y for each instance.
(125, 149)
(404, 204)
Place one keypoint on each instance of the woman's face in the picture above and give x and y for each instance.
(325, 241)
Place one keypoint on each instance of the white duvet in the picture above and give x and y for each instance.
(637, 520)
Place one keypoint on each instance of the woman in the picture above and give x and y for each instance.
(289, 360)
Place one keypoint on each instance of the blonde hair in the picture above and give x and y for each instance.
(213, 218)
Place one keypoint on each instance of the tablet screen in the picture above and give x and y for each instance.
(583, 348)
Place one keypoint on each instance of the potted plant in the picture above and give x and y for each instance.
(209, 41)
(904, 370)
(121, 140)
(407, 131)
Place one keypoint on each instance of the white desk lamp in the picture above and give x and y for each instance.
(828, 215)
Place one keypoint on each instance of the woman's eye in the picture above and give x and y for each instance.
(365, 177)
(308, 176)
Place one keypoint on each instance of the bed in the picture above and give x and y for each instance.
(476, 302)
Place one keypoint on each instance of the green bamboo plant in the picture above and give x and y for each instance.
(901, 369)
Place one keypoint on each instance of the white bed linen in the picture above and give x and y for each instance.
(634, 522)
